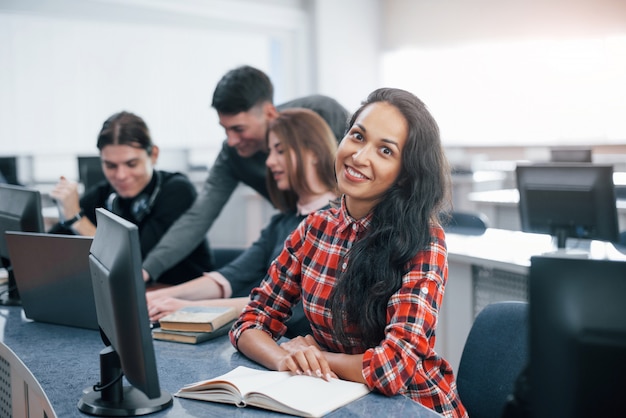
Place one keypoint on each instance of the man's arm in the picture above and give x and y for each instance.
(191, 228)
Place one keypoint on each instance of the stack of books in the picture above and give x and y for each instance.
(195, 324)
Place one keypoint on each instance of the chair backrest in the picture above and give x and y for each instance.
(495, 353)
(468, 223)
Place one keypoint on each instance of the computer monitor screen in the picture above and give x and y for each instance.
(90, 171)
(568, 200)
(8, 169)
(577, 337)
(20, 210)
(119, 293)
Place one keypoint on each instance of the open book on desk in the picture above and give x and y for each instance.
(284, 392)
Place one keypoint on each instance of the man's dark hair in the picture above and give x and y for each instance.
(241, 89)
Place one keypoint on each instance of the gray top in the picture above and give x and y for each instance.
(228, 170)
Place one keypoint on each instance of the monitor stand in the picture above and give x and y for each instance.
(115, 399)
(582, 249)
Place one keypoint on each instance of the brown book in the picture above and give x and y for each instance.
(189, 337)
(198, 318)
(299, 395)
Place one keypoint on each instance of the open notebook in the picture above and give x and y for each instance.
(53, 278)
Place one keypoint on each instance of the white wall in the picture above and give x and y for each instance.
(68, 65)
(69, 75)
(347, 37)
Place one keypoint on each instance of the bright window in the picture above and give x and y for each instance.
(520, 93)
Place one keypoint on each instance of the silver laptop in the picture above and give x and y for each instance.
(53, 279)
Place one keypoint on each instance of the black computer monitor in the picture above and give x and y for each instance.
(90, 170)
(20, 210)
(119, 293)
(577, 337)
(8, 169)
(568, 200)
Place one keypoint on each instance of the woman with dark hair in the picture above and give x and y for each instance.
(134, 190)
(300, 180)
(371, 272)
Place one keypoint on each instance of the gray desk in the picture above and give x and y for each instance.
(65, 361)
(490, 268)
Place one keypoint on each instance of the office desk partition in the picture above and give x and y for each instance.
(65, 361)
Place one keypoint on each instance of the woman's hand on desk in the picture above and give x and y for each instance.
(306, 356)
(344, 366)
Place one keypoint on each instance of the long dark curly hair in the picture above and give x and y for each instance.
(400, 224)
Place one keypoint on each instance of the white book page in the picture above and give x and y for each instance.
(243, 378)
(311, 395)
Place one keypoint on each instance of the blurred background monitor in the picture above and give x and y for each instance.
(571, 155)
(119, 293)
(90, 171)
(577, 337)
(20, 210)
(568, 200)
(8, 170)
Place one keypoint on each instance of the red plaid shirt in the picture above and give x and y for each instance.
(405, 361)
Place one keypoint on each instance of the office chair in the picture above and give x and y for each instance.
(467, 223)
(495, 352)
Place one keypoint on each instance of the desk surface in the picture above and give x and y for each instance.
(513, 249)
(65, 361)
